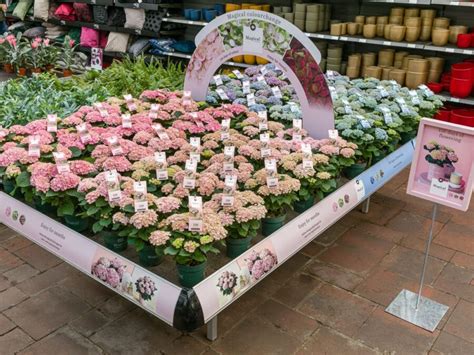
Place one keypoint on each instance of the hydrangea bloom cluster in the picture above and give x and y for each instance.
(146, 287)
(109, 271)
(259, 263)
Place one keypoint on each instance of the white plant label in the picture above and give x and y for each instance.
(113, 186)
(218, 80)
(238, 74)
(34, 146)
(61, 162)
(140, 196)
(52, 123)
(126, 121)
(246, 87)
(251, 99)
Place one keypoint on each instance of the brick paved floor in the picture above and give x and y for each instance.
(328, 299)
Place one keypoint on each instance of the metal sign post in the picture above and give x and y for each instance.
(414, 308)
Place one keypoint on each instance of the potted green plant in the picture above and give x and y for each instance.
(68, 56)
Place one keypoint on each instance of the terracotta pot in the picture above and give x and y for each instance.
(8, 68)
(454, 31)
(397, 33)
(436, 63)
(397, 11)
(380, 30)
(414, 79)
(441, 22)
(373, 72)
(386, 57)
(412, 12)
(21, 71)
(425, 33)
(352, 28)
(36, 70)
(371, 20)
(428, 13)
(386, 31)
(413, 21)
(395, 20)
(67, 73)
(412, 34)
(49, 67)
(440, 36)
(370, 30)
(418, 65)
(398, 75)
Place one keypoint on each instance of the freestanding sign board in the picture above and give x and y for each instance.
(443, 165)
(251, 32)
(442, 171)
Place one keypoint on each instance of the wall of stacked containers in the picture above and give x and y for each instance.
(346, 10)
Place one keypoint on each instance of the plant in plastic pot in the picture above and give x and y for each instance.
(190, 249)
(69, 59)
(279, 191)
(241, 218)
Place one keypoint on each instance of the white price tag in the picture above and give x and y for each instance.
(270, 165)
(246, 87)
(189, 183)
(140, 196)
(229, 151)
(360, 190)
(126, 121)
(272, 182)
(195, 142)
(52, 123)
(191, 165)
(222, 94)
(277, 92)
(439, 187)
(238, 74)
(251, 99)
(218, 80)
(333, 133)
(297, 123)
(261, 78)
(227, 200)
(265, 137)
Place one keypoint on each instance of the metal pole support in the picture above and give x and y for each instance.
(366, 205)
(212, 329)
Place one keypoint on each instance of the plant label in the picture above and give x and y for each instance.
(61, 162)
(270, 165)
(115, 146)
(246, 87)
(297, 124)
(160, 157)
(387, 115)
(414, 97)
(52, 123)
(261, 78)
(382, 91)
(191, 165)
(439, 187)
(222, 94)
(34, 147)
(426, 90)
(272, 182)
(187, 98)
(113, 185)
(218, 80)
(297, 137)
(265, 152)
(264, 137)
(226, 123)
(308, 164)
(263, 115)
(140, 196)
(230, 181)
(195, 142)
(189, 183)
(83, 133)
(251, 100)
(227, 201)
(126, 121)
(333, 133)
(277, 92)
(195, 156)
(229, 151)
(225, 135)
(293, 107)
(154, 108)
(263, 126)
(238, 74)
(264, 70)
(363, 122)
(306, 148)
(97, 55)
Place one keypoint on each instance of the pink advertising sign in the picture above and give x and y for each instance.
(442, 170)
(251, 32)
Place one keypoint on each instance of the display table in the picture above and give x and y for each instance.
(188, 309)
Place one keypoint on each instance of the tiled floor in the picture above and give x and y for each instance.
(328, 299)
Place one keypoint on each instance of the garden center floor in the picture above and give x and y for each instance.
(328, 299)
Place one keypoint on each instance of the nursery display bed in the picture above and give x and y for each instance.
(188, 309)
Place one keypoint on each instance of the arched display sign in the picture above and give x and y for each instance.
(251, 32)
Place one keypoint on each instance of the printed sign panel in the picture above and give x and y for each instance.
(443, 167)
(251, 32)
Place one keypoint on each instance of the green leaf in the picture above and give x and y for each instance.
(171, 251)
(97, 227)
(92, 210)
(105, 222)
(139, 244)
(66, 208)
(23, 180)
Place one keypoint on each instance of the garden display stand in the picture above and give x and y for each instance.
(189, 308)
(414, 308)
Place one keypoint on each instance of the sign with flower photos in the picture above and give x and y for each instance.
(269, 36)
(442, 170)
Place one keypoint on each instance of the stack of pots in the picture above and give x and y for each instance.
(417, 72)
(461, 116)
(323, 49)
(436, 69)
(462, 79)
(427, 20)
(354, 63)
(310, 17)
(440, 33)
(368, 60)
(334, 58)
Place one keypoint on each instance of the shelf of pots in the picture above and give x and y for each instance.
(125, 188)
